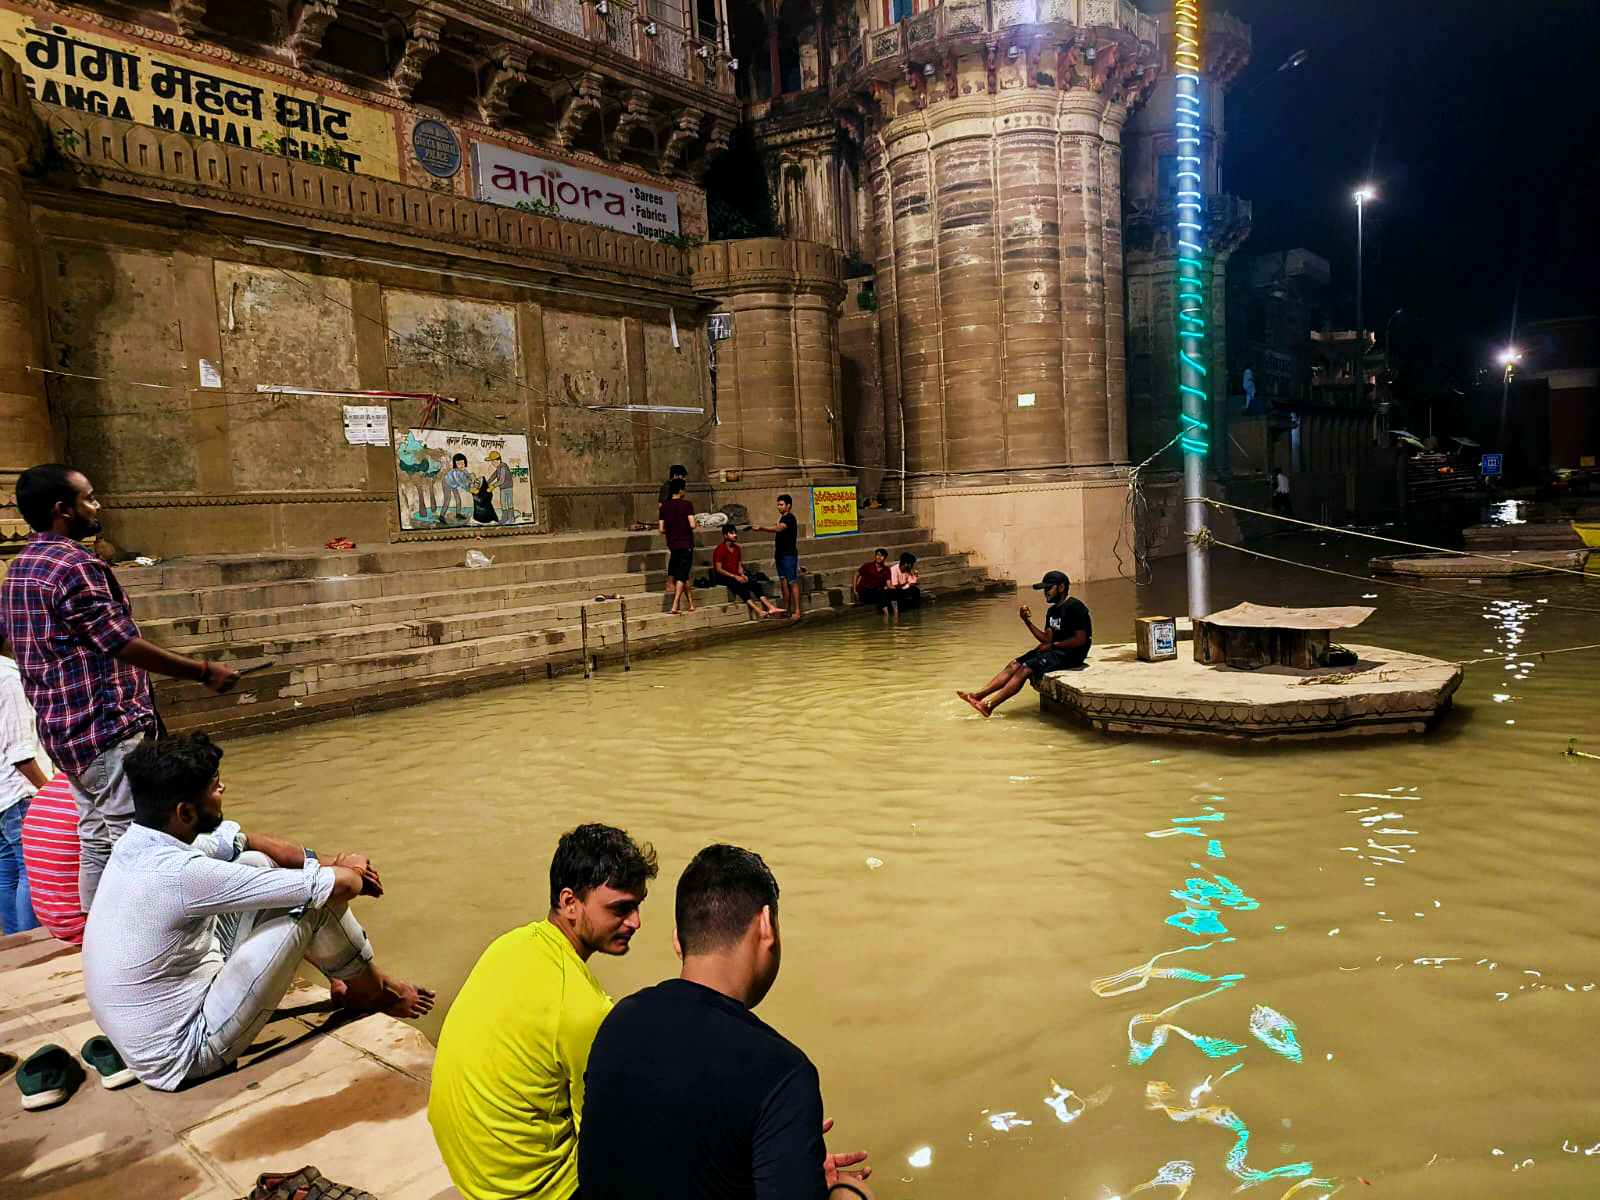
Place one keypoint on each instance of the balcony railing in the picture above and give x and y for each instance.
(972, 18)
(653, 32)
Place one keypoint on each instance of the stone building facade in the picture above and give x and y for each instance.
(980, 158)
(223, 221)
(220, 220)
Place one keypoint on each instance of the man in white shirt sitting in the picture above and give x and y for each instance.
(197, 928)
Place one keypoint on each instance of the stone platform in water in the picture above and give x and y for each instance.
(1387, 691)
(347, 1096)
(1505, 564)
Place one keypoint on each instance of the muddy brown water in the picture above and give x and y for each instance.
(1086, 965)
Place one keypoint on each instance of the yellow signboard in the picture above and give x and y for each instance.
(833, 511)
(87, 72)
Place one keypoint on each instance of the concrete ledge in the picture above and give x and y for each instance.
(1506, 564)
(348, 1096)
(1387, 691)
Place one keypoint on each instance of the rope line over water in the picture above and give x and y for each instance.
(1378, 537)
(1394, 583)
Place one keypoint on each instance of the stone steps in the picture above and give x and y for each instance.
(312, 565)
(339, 631)
(289, 694)
(188, 597)
(352, 631)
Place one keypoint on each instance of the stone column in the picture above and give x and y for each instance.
(1083, 274)
(961, 136)
(917, 308)
(1115, 117)
(889, 382)
(1028, 221)
(778, 375)
(24, 413)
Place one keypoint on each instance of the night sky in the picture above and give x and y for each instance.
(1475, 119)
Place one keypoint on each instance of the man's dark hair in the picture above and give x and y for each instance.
(678, 471)
(720, 892)
(592, 856)
(675, 488)
(882, 551)
(458, 458)
(40, 489)
(908, 559)
(786, 499)
(166, 772)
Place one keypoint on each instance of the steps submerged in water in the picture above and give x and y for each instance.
(357, 631)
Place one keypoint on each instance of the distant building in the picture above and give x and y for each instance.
(1320, 406)
(1565, 354)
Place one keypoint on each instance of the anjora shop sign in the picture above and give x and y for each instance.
(509, 177)
(86, 72)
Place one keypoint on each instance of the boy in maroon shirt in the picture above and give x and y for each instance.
(727, 567)
(677, 524)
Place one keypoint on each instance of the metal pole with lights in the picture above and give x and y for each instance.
(1191, 298)
(1363, 194)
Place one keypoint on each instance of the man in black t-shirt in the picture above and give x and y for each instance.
(786, 550)
(1063, 642)
(688, 1094)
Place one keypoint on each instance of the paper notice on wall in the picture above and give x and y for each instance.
(366, 424)
(210, 377)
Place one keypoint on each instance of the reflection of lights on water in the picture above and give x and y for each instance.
(921, 1157)
(1068, 1106)
(1175, 1174)
(1005, 1122)
(1159, 1094)
(1135, 978)
(1204, 898)
(1275, 1031)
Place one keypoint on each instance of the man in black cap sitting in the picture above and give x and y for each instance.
(1063, 642)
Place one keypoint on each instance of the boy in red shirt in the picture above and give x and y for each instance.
(727, 567)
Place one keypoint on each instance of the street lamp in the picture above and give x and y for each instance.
(1362, 194)
(1509, 358)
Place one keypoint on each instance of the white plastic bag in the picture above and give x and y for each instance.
(477, 558)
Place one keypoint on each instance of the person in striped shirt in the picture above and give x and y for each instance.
(50, 856)
(20, 776)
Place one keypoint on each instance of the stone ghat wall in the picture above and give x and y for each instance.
(159, 283)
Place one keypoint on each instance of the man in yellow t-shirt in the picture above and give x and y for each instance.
(507, 1095)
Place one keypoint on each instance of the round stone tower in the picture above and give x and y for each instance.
(993, 156)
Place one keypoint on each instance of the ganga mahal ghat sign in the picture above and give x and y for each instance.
(91, 73)
(82, 71)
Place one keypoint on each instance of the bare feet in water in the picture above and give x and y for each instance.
(392, 997)
(976, 703)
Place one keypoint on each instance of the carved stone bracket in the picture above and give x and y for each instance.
(305, 39)
(510, 73)
(635, 115)
(716, 143)
(189, 16)
(683, 133)
(586, 98)
(421, 47)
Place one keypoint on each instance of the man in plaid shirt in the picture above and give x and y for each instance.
(84, 666)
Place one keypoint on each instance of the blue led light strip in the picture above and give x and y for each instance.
(1190, 231)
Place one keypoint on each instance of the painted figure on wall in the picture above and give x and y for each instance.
(457, 488)
(420, 466)
(438, 470)
(500, 478)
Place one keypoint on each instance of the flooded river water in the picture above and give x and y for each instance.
(1085, 964)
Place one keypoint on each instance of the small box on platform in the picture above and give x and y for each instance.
(1156, 638)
